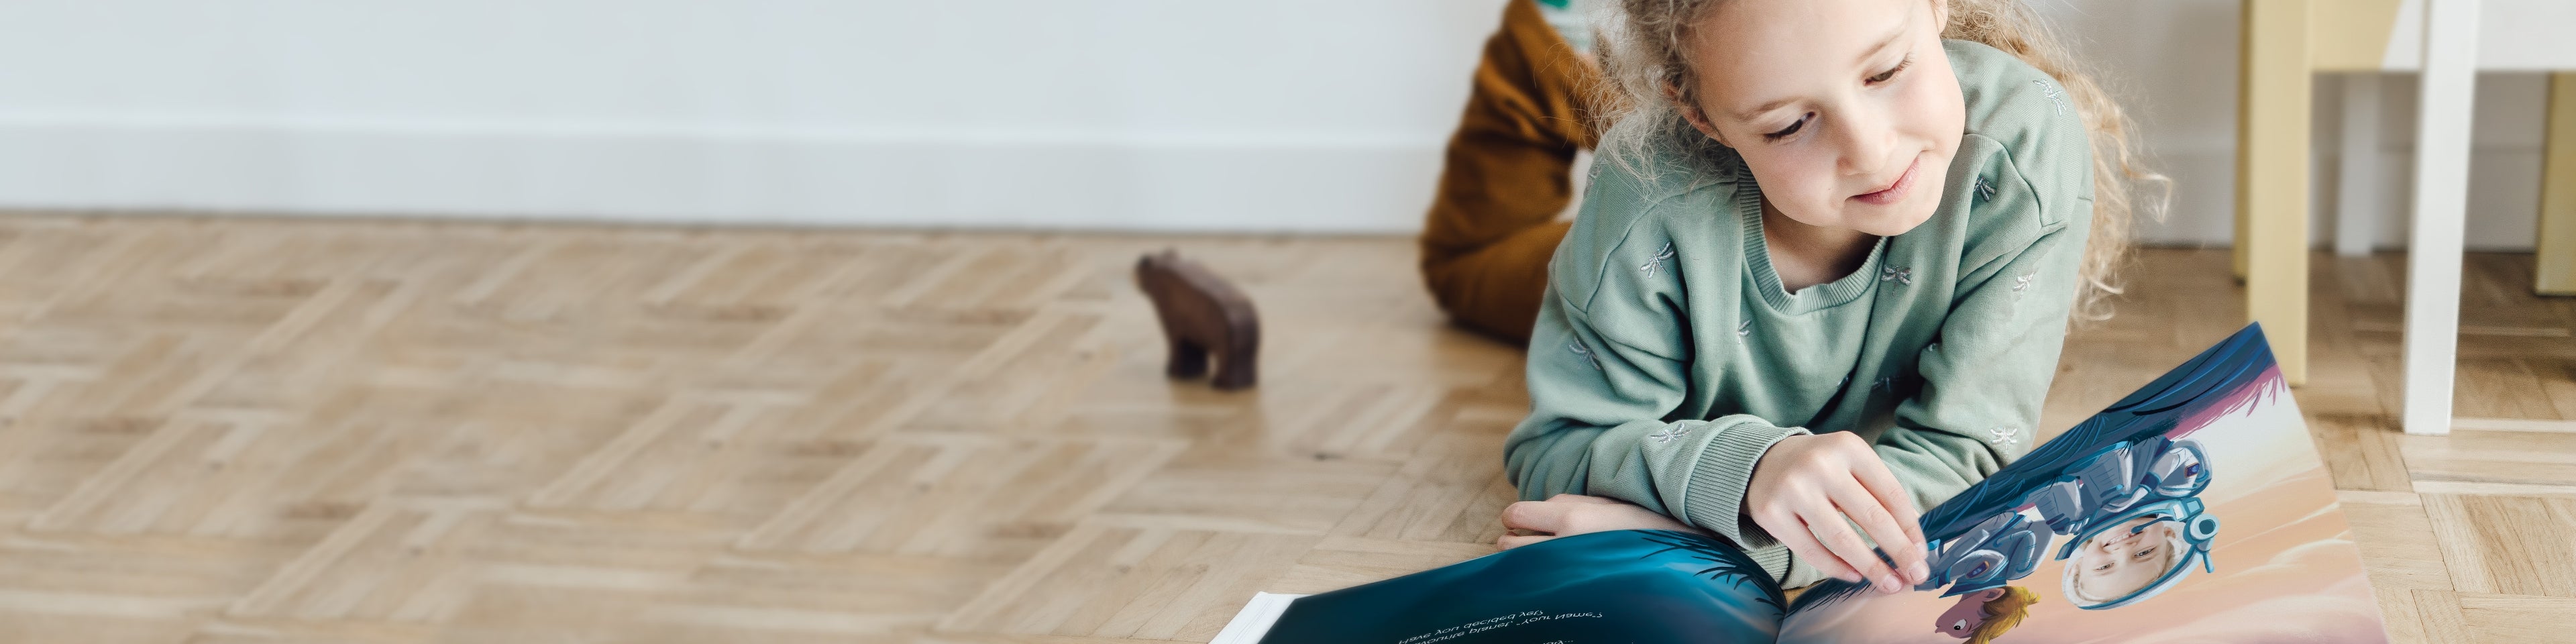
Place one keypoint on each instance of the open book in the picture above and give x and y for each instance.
(2193, 510)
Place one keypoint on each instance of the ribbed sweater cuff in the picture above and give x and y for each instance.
(1775, 560)
(1785, 567)
(1714, 497)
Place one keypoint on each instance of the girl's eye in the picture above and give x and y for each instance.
(1891, 71)
(1792, 129)
(2143, 553)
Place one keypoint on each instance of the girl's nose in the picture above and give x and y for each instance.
(1866, 140)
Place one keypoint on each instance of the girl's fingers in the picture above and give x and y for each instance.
(1882, 483)
(1510, 541)
(1537, 516)
(1866, 511)
(1839, 539)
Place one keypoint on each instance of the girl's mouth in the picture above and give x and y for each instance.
(1894, 192)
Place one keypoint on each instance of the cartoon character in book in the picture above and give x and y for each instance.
(2137, 519)
(1998, 550)
(2133, 508)
(1981, 616)
(2140, 554)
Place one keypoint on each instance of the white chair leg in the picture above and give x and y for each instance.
(2441, 208)
(2357, 181)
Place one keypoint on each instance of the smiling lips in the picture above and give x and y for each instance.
(2127, 541)
(1893, 192)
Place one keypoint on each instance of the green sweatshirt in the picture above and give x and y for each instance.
(1667, 358)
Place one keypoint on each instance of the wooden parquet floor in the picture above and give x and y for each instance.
(245, 430)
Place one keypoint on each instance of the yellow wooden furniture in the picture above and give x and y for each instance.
(2557, 245)
(2284, 43)
(2272, 177)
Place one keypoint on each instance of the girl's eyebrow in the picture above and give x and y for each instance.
(1890, 40)
(1893, 35)
(1762, 109)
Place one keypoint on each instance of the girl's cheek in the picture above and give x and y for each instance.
(1800, 178)
(1812, 167)
(1919, 105)
(1786, 172)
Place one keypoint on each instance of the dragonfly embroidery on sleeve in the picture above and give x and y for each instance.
(2004, 436)
(1671, 432)
(2054, 97)
(1655, 265)
(1898, 274)
(1585, 353)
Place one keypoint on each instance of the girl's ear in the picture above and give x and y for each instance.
(1940, 16)
(1691, 112)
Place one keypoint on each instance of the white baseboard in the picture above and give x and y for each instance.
(1220, 182)
(1234, 183)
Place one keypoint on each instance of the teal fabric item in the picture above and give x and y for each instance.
(1571, 21)
(1667, 358)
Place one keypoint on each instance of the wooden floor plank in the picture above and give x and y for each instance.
(247, 430)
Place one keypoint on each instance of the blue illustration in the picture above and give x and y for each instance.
(2118, 484)
(2003, 548)
(1621, 586)
(2133, 508)
(2154, 410)
(2137, 519)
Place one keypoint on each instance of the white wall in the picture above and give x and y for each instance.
(1145, 114)
(2504, 160)
(2173, 63)
(1121, 113)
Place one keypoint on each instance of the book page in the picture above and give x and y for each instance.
(1255, 619)
(1600, 588)
(2194, 510)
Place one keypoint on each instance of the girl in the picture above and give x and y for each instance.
(1821, 279)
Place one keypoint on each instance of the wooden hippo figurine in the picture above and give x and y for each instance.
(1201, 313)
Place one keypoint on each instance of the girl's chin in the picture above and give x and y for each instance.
(1889, 220)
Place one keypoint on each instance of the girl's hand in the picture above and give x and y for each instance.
(1804, 487)
(1566, 515)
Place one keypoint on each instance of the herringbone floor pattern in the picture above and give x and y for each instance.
(243, 430)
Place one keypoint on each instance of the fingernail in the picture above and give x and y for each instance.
(1918, 573)
(1887, 583)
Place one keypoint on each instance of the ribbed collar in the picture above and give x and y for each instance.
(1757, 260)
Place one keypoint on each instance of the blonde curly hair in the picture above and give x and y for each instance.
(2004, 614)
(1646, 71)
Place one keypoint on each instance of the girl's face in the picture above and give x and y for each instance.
(2116, 563)
(1845, 110)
